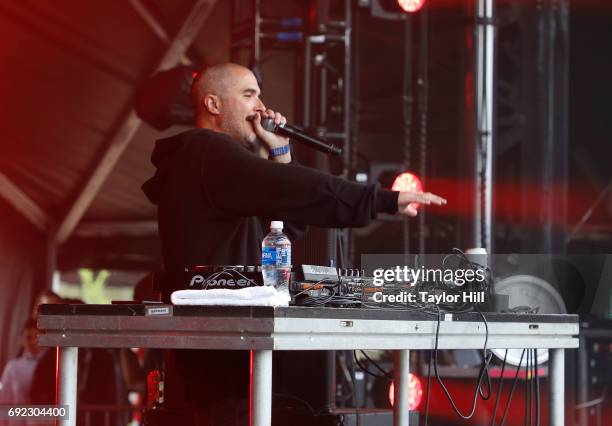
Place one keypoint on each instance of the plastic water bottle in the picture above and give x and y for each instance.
(276, 257)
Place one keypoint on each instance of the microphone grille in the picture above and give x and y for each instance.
(268, 124)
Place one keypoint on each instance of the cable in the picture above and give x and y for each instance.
(527, 396)
(347, 374)
(303, 401)
(340, 245)
(319, 301)
(528, 384)
(499, 389)
(593, 402)
(484, 357)
(428, 387)
(364, 369)
(313, 285)
(486, 361)
(518, 368)
(378, 367)
(537, 385)
(532, 407)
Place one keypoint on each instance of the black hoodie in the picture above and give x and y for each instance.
(215, 199)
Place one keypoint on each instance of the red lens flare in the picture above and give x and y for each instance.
(411, 6)
(415, 392)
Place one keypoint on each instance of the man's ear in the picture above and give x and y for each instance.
(212, 103)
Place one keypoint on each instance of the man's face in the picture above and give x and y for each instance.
(45, 300)
(240, 103)
(29, 340)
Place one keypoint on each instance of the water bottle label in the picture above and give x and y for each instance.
(284, 256)
(268, 256)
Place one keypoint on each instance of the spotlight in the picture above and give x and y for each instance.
(415, 392)
(407, 182)
(411, 6)
(395, 9)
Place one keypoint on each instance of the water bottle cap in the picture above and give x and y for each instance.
(477, 255)
(276, 224)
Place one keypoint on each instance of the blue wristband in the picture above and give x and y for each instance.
(281, 150)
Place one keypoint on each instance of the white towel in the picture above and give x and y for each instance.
(249, 296)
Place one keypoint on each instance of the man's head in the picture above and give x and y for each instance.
(28, 337)
(226, 98)
(47, 297)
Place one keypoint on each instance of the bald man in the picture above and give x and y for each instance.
(226, 99)
(216, 197)
(215, 200)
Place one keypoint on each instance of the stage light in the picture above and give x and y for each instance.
(395, 9)
(415, 392)
(407, 182)
(411, 6)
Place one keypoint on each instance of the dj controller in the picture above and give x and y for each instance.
(310, 285)
(306, 281)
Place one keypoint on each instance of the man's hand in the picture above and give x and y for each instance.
(407, 201)
(272, 140)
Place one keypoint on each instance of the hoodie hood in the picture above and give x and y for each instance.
(163, 154)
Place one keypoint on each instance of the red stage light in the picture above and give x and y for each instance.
(407, 182)
(415, 392)
(411, 6)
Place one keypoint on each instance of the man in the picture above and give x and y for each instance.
(216, 197)
(212, 192)
(17, 375)
(16, 380)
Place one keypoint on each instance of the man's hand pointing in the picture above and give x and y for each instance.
(407, 201)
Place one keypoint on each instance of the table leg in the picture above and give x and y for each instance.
(67, 383)
(556, 375)
(401, 369)
(261, 388)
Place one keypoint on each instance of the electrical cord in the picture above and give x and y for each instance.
(362, 299)
(387, 374)
(340, 245)
(484, 390)
(594, 402)
(518, 368)
(499, 389)
(428, 388)
(527, 413)
(537, 386)
(531, 379)
(486, 355)
(313, 285)
(486, 360)
(303, 401)
(489, 385)
(365, 370)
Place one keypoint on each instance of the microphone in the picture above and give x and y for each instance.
(299, 136)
